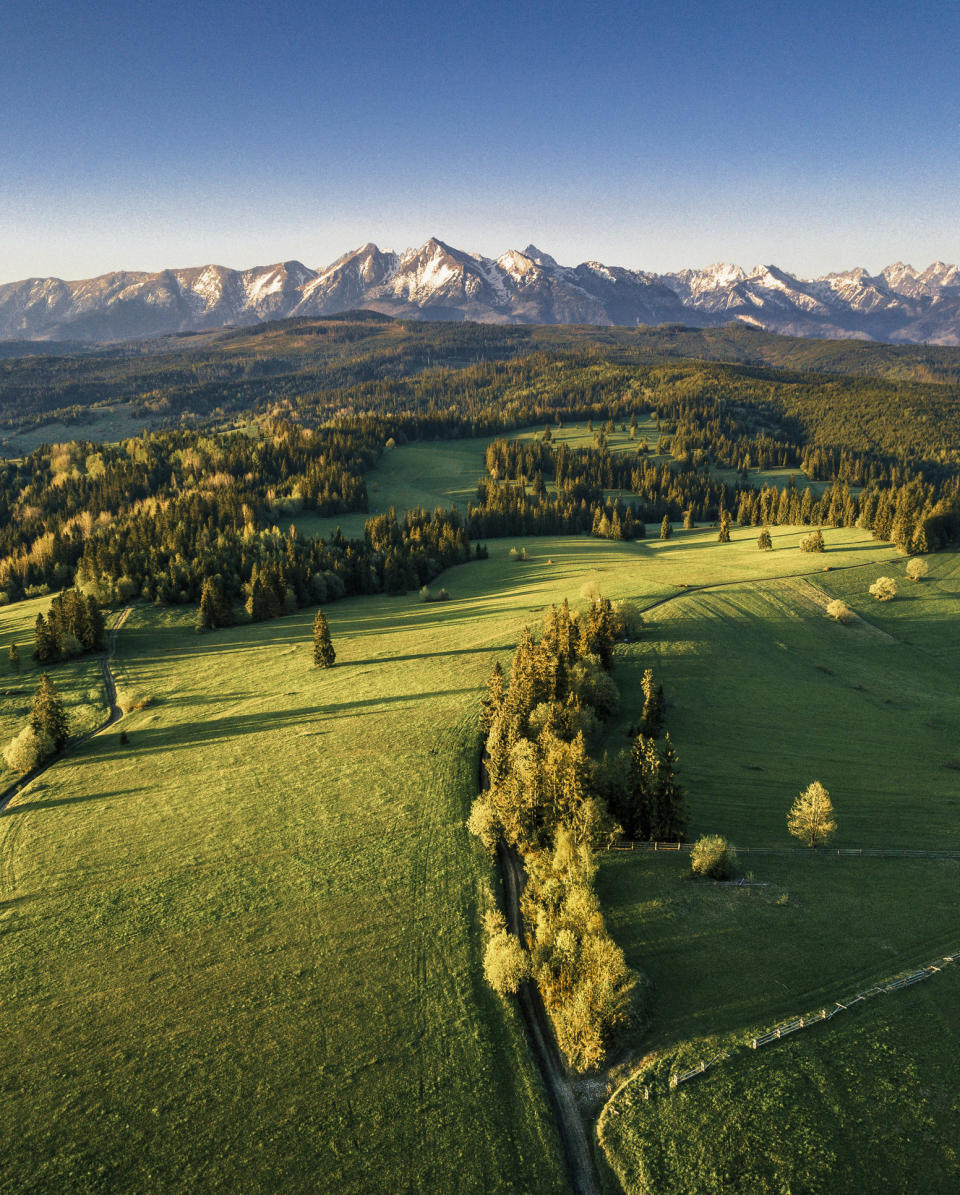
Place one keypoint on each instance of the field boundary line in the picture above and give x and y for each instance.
(800, 852)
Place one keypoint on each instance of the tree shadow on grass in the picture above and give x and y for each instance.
(46, 802)
(170, 737)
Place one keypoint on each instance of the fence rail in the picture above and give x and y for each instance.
(786, 1028)
(816, 852)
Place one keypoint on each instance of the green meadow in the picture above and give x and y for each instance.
(242, 949)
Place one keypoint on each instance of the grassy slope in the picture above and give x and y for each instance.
(766, 694)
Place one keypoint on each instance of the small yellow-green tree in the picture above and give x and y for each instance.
(917, 568)
(839, 610)
(811, 816)
(884, 589)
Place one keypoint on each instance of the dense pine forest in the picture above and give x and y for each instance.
(251, 427)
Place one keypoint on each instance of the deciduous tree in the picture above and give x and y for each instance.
(811, 816)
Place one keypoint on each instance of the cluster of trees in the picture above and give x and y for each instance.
(544, 802)
(73, 625)
(44, 735)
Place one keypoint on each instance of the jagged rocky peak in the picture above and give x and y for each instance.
(438, 281)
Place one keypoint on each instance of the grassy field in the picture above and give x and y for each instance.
(867, 1102)
(766, 693)
(243, 948)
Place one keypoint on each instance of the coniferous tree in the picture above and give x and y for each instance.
(14, 657)
(666, 530)
(493, 702)
(764, 542)
(207, 613)
(48, 716)
(724, 536)
(652, 705)
(688, 521)
(323, 653)
(671, 811)
(46, 647)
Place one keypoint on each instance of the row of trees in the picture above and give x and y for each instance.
(544, 801)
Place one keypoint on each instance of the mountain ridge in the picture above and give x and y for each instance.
(900, 304)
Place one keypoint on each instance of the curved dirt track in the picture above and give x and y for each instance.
(573, 1134)
(114, 715)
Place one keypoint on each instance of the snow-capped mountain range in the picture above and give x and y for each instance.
(437, 281)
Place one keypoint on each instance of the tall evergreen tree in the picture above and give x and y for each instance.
(48, 716)
(652, 705)
(323, 653)
(206, 619)
(666, 530)
(46, 647)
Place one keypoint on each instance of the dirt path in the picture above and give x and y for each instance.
(114, 715)
(573, 1133)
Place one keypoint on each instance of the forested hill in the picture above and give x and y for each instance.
(315, 370)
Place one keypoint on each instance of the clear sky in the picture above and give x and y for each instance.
(817, 135)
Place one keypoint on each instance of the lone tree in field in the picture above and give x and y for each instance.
(688, 520)
(764, 542)
(665, 529)
(48, 717)
(917, 569)
(323, 653)
(839, 610)
(14, 657)
(813, 542)
(884, 589)
(811, 816)
(724, 536)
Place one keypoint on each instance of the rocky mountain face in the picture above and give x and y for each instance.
(437, 281)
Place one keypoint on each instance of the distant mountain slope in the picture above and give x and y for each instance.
(437, 281)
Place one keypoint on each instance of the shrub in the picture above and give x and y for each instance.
(813, 542)
(592, 685)
(884, 589)
(27, 750)
(444, 596)
(129, 700)
(518, 553)
(839, 610)
(505, 963)
(710, 857)
(425, 594)
(764, 542)
(917, 568)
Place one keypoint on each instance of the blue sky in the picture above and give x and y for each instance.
(654, 135)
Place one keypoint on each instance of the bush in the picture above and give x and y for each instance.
(710, 857)
(884, 589)
(518, 553)
(505, 963)
(813, 542)
(917, 568)
(27, 750)
(593, 685)
(129, 700)
(839, 610)
(764, 542)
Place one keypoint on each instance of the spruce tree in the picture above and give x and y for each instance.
(493, 702)
(207, 613)
(14, 657)
(45, 648)
(652, 705)
(688, 522)
(48, 716)
(323, 653)
(764, 542)
(665, 529)
(724, 536)
(671, 811)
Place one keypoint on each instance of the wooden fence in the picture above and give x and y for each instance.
(816, 852)
(778, 1032)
